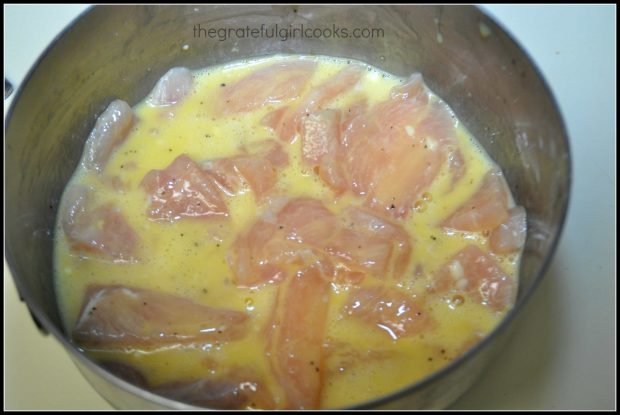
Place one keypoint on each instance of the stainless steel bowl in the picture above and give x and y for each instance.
(120, 51)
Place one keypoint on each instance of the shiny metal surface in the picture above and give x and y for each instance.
(120, 52)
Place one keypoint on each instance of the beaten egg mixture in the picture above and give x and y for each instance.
(189, 257)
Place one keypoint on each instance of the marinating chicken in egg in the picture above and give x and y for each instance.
(291, 232)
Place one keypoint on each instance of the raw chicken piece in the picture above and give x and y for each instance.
(257, 166)
(486, 209)
(509, 236)
(111, 128)
(473, 272)
(351, 112)
(238, 389)
(126, 372)
(330, 89)
(456, 165)
(296, 337)
(319, 130)
(101, 231)
(395, 150)
(117, 316)
(304, 233)
(371, 244)
(388, 309)
(183, 190)
(321, 147)
(306, 220)
(269, 85)
(412, 89)
(171, 88)
(286, 122)
(279, 241)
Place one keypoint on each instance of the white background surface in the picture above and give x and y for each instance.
(563, 352)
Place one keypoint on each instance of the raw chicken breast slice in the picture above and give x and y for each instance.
(268, 85)
(305, 233)
(111, 129)
(296, 334)
(101, 231)
(509, 236)
(395, 150)
(477, 274)
(390, 310)
(281, 242)
(321, 147)
(171, 88)
(116, 316)
(486, 209)
(239, 388)
(183, 190)
(370, 244)
(257, 166)
(286, 122)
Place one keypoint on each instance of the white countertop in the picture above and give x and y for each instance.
(563, 352)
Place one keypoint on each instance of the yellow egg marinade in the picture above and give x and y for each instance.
(189, 257)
